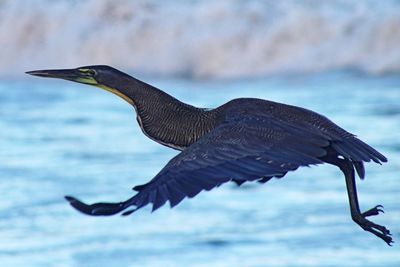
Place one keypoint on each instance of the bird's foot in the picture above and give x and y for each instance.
(376, 229)
(374, 211)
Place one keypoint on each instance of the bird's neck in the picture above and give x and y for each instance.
(165, 119)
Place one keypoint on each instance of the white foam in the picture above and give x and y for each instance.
(202, 38)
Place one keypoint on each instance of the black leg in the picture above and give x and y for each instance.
(360, 218)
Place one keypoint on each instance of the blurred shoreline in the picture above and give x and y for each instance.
(202, 39)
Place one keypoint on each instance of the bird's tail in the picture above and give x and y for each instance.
(357, 152)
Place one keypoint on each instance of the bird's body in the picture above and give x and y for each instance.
(243, 140)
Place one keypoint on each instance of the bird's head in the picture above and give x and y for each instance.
(102, 76)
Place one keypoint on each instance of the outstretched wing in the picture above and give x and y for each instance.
(243, 148)
(249, 145)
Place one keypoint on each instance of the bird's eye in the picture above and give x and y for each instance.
(88, 72)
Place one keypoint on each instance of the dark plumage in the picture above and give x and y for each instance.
(243, 140)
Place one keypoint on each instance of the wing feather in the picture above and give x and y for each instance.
(254, 148)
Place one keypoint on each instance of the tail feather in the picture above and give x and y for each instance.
(357, 151)
(359, 166)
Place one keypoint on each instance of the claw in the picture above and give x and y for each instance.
(374, 211)
(379, 208)
(376, 229)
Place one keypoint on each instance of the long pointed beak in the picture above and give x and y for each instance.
(67, 74)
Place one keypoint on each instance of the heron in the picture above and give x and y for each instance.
(243, 140)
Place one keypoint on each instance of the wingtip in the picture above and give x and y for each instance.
(69, 198)
(79, 205)
(97, 209)
(129, 212)
(73, 201)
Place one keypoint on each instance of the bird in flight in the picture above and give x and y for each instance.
(243, 140)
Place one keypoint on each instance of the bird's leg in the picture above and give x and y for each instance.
(358, 217)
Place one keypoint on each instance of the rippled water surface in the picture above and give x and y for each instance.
(59, 138)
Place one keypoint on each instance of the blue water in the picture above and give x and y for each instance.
(59, 138)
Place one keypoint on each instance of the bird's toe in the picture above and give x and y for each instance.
(374, 211)
(376, 229)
